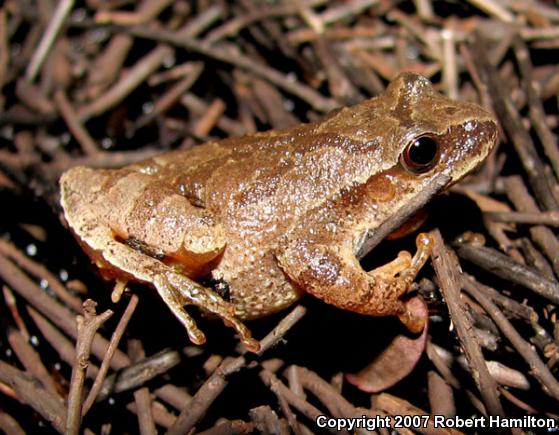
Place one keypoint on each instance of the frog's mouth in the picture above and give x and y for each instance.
(372, 238)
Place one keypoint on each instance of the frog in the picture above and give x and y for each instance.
(243, 227)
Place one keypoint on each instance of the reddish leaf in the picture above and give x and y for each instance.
(397, 360)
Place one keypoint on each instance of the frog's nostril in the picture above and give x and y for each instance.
(492, 133)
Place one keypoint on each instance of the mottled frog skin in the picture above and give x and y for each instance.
(264, 218)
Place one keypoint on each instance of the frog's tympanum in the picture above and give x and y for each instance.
(244, 226)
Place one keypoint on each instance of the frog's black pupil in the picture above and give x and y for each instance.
(422, 151)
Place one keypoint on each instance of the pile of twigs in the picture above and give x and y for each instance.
(108, 83)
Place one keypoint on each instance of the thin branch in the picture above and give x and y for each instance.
(113, 345)
(446, 268)
(88, 324)
(208, 392)
(62, 10)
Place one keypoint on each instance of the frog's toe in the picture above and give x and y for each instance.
(196, 336)
(252, 345)
(174, 301)
(389, 270)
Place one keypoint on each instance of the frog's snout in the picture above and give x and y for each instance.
(486, 133)
(489, 131)
(470, 143)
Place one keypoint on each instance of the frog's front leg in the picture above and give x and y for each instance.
(333, 274)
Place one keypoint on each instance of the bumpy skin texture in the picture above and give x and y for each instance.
(272, 215)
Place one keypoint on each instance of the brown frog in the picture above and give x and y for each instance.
(259, 220)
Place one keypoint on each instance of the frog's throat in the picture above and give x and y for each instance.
(372, 238)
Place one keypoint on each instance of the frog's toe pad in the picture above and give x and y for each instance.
(195, 335)
(252, 344)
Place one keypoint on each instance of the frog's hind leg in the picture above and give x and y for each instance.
(175, 289)
(192, 293)
(173, 299)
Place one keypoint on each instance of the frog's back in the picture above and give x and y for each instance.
(261, 184)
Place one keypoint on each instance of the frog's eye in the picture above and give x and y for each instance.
(421, 154)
